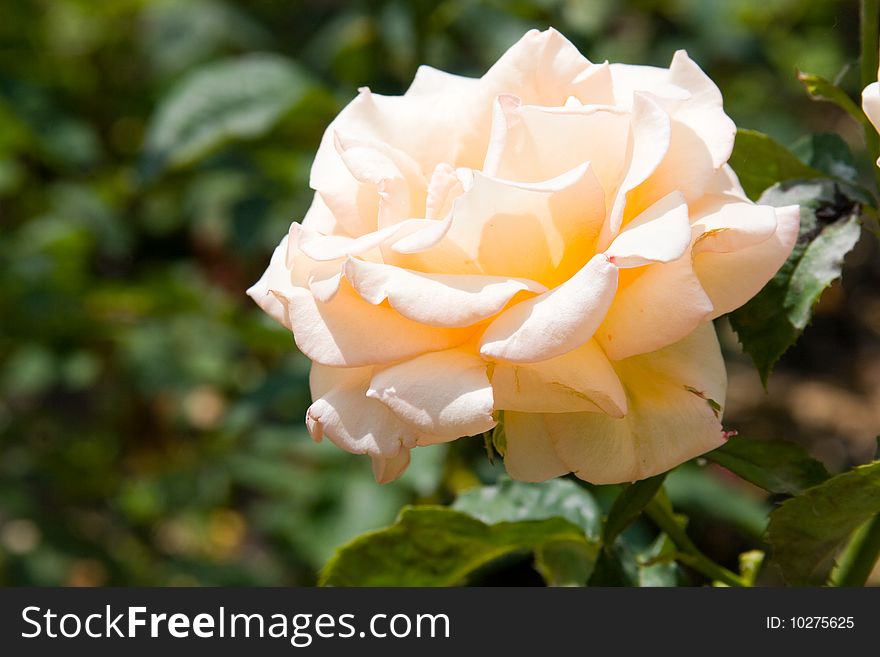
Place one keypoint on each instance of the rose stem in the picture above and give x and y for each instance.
(859, 556)
(690, 554)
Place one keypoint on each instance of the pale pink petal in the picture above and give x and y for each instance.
(324, 280)
(446, 394)
(319, 218)
(407, 236)
(529, 455)
(649, 144)
(349, 332)
(654, 307)
(871, 105)
(662, 233)
(558, 219)
(581, 380)
(346, 416)
(533, 143)
(704, 110)
(688, 94)
(386, 470)
(276, 277)
(675, 397)
(554, 322)
(544, 68)
(732, 278)
(399, 183)
(443, 188)
(701, 137)
(732, 226)
(448, 300)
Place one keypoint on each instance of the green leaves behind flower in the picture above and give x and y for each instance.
(558, 521)
(776, 466)
(807, 530)
(241, 98)
(821, 89)
(761, 162)
(772, 321)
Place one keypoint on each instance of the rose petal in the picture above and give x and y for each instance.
(529, 455)
(396, 178)
(349, 332)
(662, 233)
(732, 278)
(654, 307)
(533, 143)
(386, 470)
(407, 236)
(732, 226)
(278, 278)
(674, 397)
(343, 413)
(871, 105)
(581, 380)
(559, 219)
(544, 68)
(445, 394)
(650, 143)
(556, 321)
(448, 300)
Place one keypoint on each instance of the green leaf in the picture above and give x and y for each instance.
(513, 501)
(702, 493)
(438, 546)
(566, 563)
(774, 465)
(828, 153)
(821, 89)
(628, 505)
(773, 320)
(807, 530)
(624, 564)
(761, 162)
(241, 98)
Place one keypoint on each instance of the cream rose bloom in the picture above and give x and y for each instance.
(551, 240)
(871, 105)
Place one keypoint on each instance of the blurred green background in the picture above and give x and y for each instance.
(151, 417)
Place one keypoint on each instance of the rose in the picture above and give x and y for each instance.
(871, 105)
(550, 241)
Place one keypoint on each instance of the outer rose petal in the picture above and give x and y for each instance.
(343, 413)
(670, 418)
(319, 218)
(871, 105)
(555, 322)
(447, 300)
(733, 226)
(276, 277)
(349, 332)
(653, 308)
(445, 394)
(732, 278)
(530, 455)
(386, 470)
(688, 94)
(406, 236)
(581, 380)
(544, 68)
